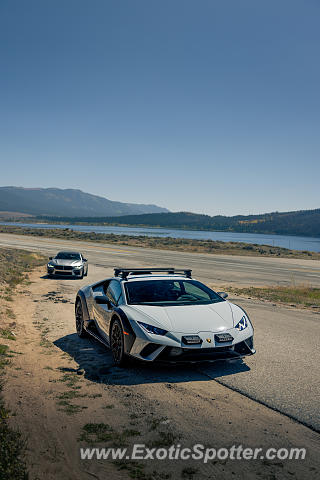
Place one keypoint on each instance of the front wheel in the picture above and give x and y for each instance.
(79, 321)
(117, 344)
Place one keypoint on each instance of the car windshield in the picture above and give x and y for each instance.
(169, 292)
(68, 256)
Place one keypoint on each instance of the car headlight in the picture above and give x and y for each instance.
(50, 265)
(242, 324)
(152, 329)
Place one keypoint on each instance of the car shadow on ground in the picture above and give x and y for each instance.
(60, 277)
(97, 365)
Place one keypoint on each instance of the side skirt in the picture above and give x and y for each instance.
(92, 330)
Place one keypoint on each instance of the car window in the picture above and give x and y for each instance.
(170, 292)
(195, 291)
(68, 256)
(114, 291)
(120, 300)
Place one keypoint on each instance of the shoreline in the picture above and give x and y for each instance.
(167, 243)
(153, 227)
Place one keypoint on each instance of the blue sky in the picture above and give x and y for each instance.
(203, 105)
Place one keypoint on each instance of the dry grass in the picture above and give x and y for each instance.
(294, 295)
(13, 265)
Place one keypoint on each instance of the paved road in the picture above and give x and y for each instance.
(220, 269)
(284, 374)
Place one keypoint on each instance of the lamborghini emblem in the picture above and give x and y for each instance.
(208, 340)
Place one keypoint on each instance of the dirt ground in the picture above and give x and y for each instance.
(58, 384)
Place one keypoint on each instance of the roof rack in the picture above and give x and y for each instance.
(124, 272)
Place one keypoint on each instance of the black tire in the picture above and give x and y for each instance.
(86, 272)
(81, 331)
(117, 344)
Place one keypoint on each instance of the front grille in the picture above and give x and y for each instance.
(198, 354)
(64, 267)
(63, 272)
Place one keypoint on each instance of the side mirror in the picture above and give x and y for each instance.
(102, 300)
(223, 294)
(50, 258)
(84, 259)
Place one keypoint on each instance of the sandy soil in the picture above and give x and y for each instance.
(58, 383)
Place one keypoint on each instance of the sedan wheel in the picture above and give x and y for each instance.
(79, 321)
(117, 344)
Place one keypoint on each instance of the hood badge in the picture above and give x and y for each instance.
(208, 340)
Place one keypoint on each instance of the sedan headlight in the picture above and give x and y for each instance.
(242, 324)
(50, 265)
(152, 329)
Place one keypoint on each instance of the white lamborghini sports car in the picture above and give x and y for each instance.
(162, 314)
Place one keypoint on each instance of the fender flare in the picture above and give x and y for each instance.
(129, 335)
(82, 298)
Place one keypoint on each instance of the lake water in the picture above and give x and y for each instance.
(286, 241)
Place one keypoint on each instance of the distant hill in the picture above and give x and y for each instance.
(67, 203)
(302, 222)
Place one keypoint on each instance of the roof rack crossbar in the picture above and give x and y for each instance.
(124, 272)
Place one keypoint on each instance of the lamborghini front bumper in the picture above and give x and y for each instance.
(239, 350)
(152, 352)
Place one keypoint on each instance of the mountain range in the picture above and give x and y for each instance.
(74, 206)
(68, 203)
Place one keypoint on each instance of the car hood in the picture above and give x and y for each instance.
(60, 261)
(215, 317)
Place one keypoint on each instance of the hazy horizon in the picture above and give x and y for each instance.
(209, 107)
(150, 203)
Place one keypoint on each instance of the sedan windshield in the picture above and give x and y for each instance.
(170, 292)
(68, 256)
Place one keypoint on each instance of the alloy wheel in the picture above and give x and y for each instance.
(79, 319)
(116, 342)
